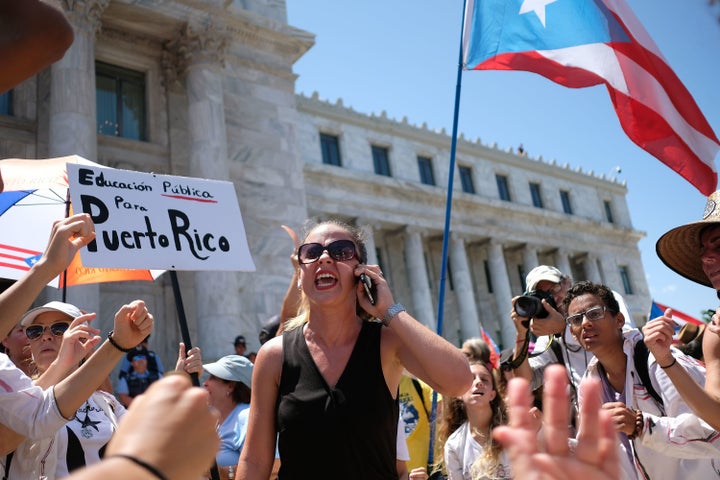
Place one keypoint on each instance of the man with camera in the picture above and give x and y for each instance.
(540, 311)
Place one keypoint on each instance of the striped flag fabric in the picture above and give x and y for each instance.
(681, 318)
(17, 258)
(494, 350)
(581, 43)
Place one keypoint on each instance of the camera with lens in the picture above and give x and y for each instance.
(530, 305)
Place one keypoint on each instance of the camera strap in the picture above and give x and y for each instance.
(513, 363)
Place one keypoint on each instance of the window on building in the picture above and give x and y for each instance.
(503, 188)
(535, 194)
(426, 170)
(330, 147)
(625, 277)
(608, 211)
(488, 277)
(466, 180)
(6, 103)
(565, 199)
(381, 160)
(121, 107)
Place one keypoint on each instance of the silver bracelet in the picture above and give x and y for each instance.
(392, 311)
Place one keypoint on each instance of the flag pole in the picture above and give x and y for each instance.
(185, 332)
(446, 231)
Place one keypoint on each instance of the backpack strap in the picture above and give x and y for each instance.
(8, 462)
(419, 390)
(640, 358)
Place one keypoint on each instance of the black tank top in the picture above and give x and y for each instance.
(347, 432)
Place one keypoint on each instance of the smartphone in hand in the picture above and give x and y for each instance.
(369, 287)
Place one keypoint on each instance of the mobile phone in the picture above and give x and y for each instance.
(368, 286)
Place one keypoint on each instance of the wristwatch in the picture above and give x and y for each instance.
(392, 310)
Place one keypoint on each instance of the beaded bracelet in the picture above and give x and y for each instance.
(639, 424)
(157, 473)
(115, 344)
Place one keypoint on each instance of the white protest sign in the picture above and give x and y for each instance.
(153, 221)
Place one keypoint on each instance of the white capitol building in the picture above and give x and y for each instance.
(206, 88)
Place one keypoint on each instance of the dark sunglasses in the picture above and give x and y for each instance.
(340, 250)
(33, 332)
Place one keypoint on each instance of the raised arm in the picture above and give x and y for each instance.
(132, 323)
(67, 237)
(258, 453)
(705, 403)
(425, 354)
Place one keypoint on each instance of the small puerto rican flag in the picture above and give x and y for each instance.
(18, 258)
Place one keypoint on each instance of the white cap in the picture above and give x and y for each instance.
(235, 368)
(70, 310)
(543, 272)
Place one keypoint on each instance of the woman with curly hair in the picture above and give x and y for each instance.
(465, 430)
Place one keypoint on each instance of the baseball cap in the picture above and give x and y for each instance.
(70, 310)
(543, 272)
(137, 352)
(269, 329)
(235, 368)
(239, 340)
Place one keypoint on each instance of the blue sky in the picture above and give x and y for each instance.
(401, 56)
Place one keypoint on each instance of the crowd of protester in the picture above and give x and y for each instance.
(347, 384)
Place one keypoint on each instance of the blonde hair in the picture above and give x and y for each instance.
(358, 238)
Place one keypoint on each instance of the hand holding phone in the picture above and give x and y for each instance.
(368, 286)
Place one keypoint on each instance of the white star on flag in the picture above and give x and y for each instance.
(537, 6)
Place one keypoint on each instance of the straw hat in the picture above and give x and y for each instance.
(680, 249)
(690, 332)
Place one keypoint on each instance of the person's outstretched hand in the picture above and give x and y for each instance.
(190, 362)
(67, 237)
(596, 454)
(658, 336)
(133, 322)
(171, 428)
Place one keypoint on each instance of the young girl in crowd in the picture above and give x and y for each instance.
(465, 431)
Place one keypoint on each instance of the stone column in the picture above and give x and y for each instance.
(562, 263)
(467, 307)
(198, 53)
(369, 231)
(72, 115)
(422, 307)
(591, 269)
(503, 293)
(530, 260)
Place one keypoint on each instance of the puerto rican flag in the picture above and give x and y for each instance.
(20, 259)
(681, 318)
(581, 43)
